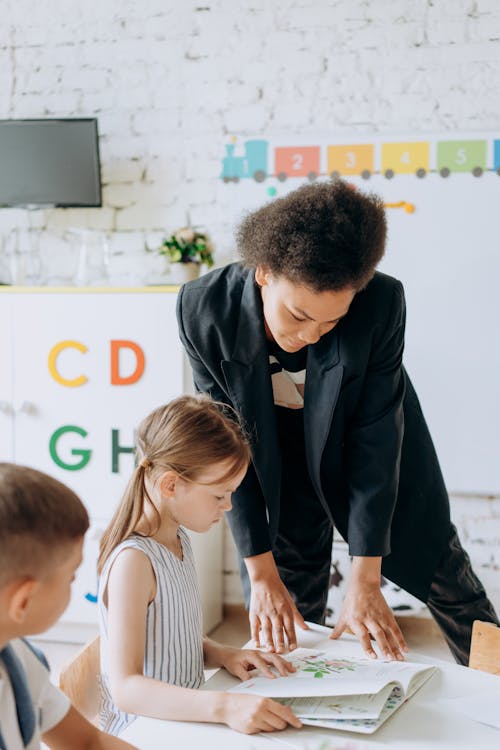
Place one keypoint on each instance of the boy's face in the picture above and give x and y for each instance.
(50, 596)
(295, 316)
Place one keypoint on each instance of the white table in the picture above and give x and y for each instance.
(423, 723)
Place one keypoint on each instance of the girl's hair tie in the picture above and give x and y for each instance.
(146, 463)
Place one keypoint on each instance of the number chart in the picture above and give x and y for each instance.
(442, 193)
(259, 160)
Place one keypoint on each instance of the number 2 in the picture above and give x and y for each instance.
(297, 161)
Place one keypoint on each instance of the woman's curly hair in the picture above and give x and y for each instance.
(326, 235)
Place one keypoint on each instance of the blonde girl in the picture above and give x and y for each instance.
(191, 458)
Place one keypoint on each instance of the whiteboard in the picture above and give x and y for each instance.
(447, 254)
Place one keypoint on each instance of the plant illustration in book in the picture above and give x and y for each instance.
(319, 666)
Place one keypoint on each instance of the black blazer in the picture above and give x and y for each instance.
(369, 453)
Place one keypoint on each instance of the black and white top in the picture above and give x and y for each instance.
(174, 636)
(300, 509)
(288, 377)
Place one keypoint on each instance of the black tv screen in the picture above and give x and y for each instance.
(49, 163)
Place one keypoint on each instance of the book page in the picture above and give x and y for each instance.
(364, 726)
(320, 673)
(340, 707)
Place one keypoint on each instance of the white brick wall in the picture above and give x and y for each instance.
(478, 522)
(169, 80)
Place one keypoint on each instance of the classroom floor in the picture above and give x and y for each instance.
(421, 634)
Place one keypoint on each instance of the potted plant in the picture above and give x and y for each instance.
(186, 250)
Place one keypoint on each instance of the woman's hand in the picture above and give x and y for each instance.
(240, 661)
(253, 713)
(273, 614)
(366, 613)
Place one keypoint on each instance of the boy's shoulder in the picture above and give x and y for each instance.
(24, 671)
(29, 648)
(29, 656)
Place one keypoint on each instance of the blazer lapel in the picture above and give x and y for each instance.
(322, 388)
(249, 384)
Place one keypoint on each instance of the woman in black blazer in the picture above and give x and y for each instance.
(305, 340)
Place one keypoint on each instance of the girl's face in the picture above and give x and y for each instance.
(294, 315)
(201, 504)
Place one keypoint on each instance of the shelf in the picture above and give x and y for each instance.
(167, 288)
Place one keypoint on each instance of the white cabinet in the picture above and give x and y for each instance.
(79, 370)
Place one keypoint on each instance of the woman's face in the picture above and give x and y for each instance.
(294, 315)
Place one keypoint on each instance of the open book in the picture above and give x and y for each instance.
(349, 693)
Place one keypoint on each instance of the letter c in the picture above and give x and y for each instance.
(53, 355)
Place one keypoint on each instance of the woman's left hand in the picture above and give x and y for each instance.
(240, 661)
(366, 613)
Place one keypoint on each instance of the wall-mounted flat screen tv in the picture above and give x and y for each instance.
(50, 162)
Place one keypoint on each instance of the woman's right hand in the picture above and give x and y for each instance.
(273, 614)
(254, 713)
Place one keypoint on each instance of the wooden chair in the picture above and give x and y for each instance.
(485, 647)
(80, 681)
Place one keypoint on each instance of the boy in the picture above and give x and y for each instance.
(42, 525)
(305, 340)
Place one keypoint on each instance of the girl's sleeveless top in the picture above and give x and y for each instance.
(174, 637)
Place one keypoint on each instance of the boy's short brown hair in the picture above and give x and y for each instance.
(38, 516)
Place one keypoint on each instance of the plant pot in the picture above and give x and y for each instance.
(179, 273)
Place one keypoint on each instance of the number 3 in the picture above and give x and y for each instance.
(350, 160)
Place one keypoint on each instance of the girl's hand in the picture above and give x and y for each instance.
(253, 713)
(240, 661)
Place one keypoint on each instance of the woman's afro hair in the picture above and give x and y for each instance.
(326, 235)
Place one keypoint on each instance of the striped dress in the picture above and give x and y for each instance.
(174, 638)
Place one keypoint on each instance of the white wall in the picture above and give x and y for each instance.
(171, 80)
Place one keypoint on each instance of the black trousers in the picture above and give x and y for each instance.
(456, 598)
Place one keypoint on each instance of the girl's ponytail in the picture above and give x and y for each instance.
(127, 514)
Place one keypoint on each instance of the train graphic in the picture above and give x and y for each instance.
(260, 161)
